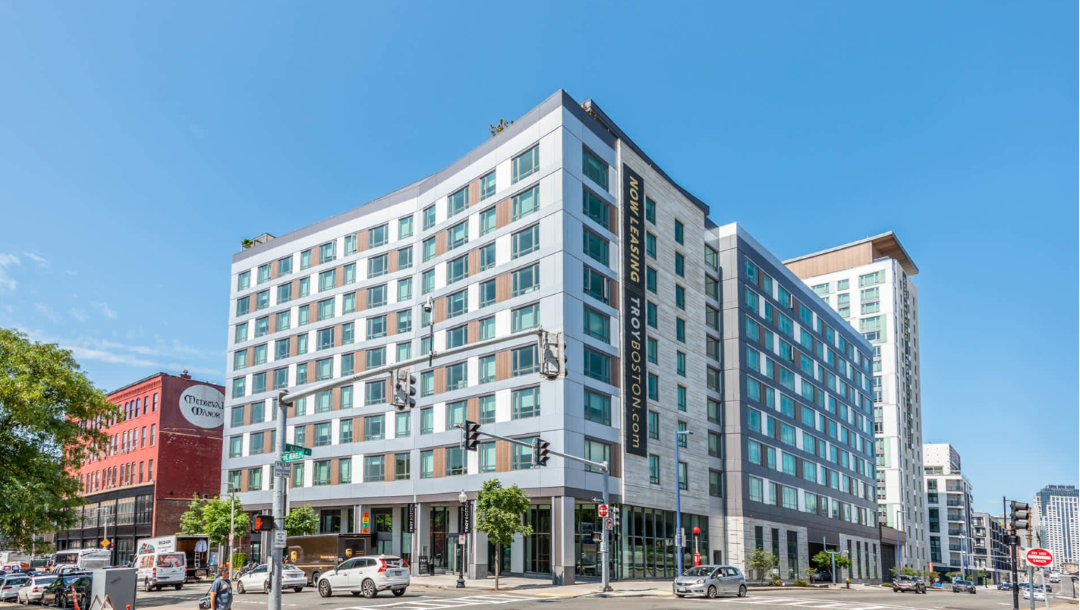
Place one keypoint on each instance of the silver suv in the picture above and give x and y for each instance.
(710, 581)
(908, 583)
(367, 576)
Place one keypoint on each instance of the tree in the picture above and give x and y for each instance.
(498, 514)
(44, 401)
(246, 243)
(497, 129)
(302, 521)
(762, 562)
(824, 561)
(810, 573)
(212, 518)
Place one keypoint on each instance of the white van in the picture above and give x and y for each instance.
(160, 568)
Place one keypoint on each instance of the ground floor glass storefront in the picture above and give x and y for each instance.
(642, 547)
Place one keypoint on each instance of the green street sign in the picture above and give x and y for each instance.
(295, 456)
(289, 447)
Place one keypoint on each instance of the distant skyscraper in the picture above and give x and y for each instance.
(868, 282)
(1056, 509)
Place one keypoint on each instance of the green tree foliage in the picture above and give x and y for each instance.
(44, 400)
(823, 561)
(499, 512)
(212, 517)
(302, 521)
(761, 562)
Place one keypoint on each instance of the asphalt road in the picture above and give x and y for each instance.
(422, 598)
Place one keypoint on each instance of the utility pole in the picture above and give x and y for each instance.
(679, 541)
(276, 554)
(825, 544)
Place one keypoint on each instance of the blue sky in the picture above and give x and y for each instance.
(142, 141)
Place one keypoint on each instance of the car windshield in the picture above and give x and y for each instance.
(964, 582)
(393, 562)
(289, 566)
(698, 571)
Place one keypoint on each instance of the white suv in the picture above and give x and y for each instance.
(367, 575)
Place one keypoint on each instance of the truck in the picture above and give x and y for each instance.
(195, 548)
(318, 553)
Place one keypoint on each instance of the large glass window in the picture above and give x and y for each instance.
(594, 168)
(594, 246)
(525, 241)
(525, 164)
(597, 325)
(525, 203)
(525, 280)
(525, 403)
(597, 407)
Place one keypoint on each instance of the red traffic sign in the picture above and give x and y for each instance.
(602, 510)
(609, 523)
(1040, 558)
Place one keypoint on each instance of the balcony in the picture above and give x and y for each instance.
(956, 517)
(955, 547)
(955, 531)
(955, 504)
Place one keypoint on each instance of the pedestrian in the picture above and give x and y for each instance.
(221, 591)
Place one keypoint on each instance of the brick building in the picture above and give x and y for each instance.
(164, 447)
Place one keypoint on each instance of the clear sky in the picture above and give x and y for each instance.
(141, 141)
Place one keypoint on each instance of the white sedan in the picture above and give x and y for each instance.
(34, 589)
(1039, 595)
(258, 579)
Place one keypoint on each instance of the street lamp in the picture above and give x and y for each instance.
(462, 499)
(232, 523)
(678, 505)
(899, 551)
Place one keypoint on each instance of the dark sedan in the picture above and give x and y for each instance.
(963, 586)
(64, 591)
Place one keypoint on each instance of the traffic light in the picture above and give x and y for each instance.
(1020, 514)
(404, 390)
(540, 452)
(264, 523)
(552, 355)
(614, 510)
(470, 435)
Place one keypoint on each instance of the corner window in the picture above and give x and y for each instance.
(595, 207)
(525, 164)
(526, 203)
(594, 246)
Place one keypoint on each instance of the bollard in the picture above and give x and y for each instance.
(847, 583)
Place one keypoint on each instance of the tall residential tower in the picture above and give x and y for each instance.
(868, 282)
(1057, 510)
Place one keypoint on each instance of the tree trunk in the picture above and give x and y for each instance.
(498, 564)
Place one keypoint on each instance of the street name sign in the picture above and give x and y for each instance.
(295, 456)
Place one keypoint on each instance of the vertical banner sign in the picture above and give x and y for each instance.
(633, 314)
(410, 521)
(365, 523)
(467, 529)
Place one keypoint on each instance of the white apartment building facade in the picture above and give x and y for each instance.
(560, 222)
(1057, 511)
(868, 282)
(948, 501)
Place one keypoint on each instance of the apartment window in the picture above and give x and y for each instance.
(595, 285)
(455, 461)
(427, 281)
(870, 279)
(524, 361)
(654, 425)
(680, 297)
(525, 164)
(597, 365)
(262, 300)
(258, 412)
(243, 281)
(345, 471)
(456, 376)
(427, 383)
(650, 210)
(680, 329)
(322, 434)
(236, 446)
(405, 227)
(305, 259)
(457, 235)
(376, 266)
(349, 271)
(487, 328)
(487, 257)
(262, 327)
(680, 363)
(238, 388)
(404, 259)
(376, 296)
(240, 360)
(428, 247)
(716, 484)
(653, 387)
(525, 280)
(345, 433)
(650, 279)
(326, 309)
(374, 468)
(374, 392)
(594, 169)
(404, 289)
(456, 337)
(457, 269)
(521, 456)
(457, 202)
(457, 304)
(684, 476)
(427, 464)
(374, 428)
(525, 403)
(597, 407)
(651, 314)
(526, 203)
(455, 413)
(402, 424)
(486, 406)
(429, 217)
(487, 457)
(597, 325)
(525, 242)
(595, 207)
(324, 338)
(487, 185)
(524, 318)
(404, 351)
(594, 246)
(305, 287)
(264, 273)
(487, 293)
(241, 333)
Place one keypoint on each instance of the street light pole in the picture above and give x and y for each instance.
(462, 499)
(232, 526)
(678, 506)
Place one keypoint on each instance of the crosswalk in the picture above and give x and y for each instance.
(449, 602)
(793, 602)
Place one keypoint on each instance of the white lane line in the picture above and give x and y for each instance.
(449, 602)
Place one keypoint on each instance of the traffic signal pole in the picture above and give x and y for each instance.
(276, 554)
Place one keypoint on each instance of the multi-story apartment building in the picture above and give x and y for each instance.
(164, 448)
(948, 502)
(1056, 510)
(559, 222)
(990, 551)
(797, 415)
(868, 282)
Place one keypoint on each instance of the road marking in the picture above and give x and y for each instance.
(448, 602)
(792, 602)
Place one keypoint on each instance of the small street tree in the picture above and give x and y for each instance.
(212, 518)
(824, 562)
(762, 562)
(302, 521)
(45, 402)
(499, 512)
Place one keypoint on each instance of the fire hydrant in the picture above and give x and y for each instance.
(847, 583)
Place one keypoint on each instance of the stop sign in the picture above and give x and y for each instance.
(1040, 557)
(602, 510)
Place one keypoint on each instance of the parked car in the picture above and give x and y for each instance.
(1039, 595)
(1005, 586)
(258, 579)
(710, 581)
(10, 585)
(908, 583)
(963, 586)
(367, 576)
(32, 589)
(1055, 579)
(65, 591)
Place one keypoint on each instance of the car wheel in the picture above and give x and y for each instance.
(711, 592)
(314, 578)
(742, 590)
(368, 589)
(240, 588)
(325, 589)
(399, 592)
(298, 589)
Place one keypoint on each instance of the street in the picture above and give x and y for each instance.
(424, 598)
